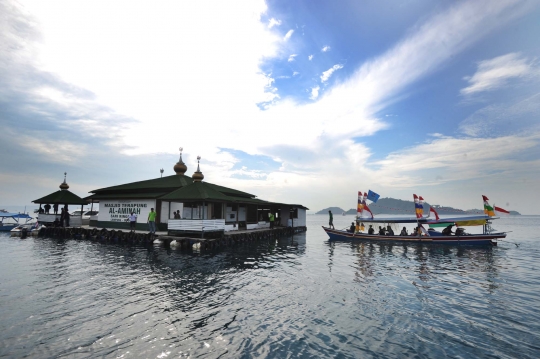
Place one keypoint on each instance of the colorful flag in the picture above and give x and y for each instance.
(501, 210)
(488, 210)
(419, 208)
(360, 207)
(372, 196)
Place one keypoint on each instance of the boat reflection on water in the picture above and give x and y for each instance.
(427, 262)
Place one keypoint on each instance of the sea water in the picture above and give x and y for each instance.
(297, 297)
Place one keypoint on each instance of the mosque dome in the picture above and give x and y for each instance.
(180, 167)
(64, 184)
(198, 176)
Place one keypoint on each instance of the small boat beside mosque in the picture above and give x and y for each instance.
(8, 221)
(420, 235)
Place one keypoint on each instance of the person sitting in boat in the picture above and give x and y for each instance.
(371, 230)
(389, 231)
(448, 230)
(460, 232)
(382, 232)
(404, 232)
(352, 229)
(415, 231)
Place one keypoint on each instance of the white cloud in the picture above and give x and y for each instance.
(325, 48)
(328, 73)
(291, 57)
(273, 22)
(503, 118)
(495, 72)
(288, 35)
(295, 73)
(314, 92)
(310, 57)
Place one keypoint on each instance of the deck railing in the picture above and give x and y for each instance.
(196, 225)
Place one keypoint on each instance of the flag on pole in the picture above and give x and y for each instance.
(360, 207)
(372, 196)
(488, 210)
(369, 210)
(500, 210)
(431, 209)
(418, 207)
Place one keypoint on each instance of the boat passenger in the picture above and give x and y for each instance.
(389, 231)
(352, 228)
(404, 232)
(448, 230)
(460, 232)
(47, 208)
(371, 230)
(55, 208)
(382, 231)
(415, 232)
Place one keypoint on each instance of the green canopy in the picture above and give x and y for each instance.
(62, 196)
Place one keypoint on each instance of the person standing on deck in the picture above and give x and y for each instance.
(132, 218)
(47, 208)
(272, 220)
(55, 208)
(66, 216)
(62, 217)
(152, 221)
(331, 220)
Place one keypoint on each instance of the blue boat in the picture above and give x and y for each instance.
(8, 221)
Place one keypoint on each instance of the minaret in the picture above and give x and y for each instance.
(198, 176)
(64, 185)
(180, 167)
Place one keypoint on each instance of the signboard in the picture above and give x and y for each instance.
(119, 210)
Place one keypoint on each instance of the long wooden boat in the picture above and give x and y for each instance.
(434, 237)
(488, 237)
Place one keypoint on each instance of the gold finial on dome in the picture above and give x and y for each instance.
(198, 176)
(180, 167)
(64, 184)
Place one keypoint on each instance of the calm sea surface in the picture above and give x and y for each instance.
(296, 297)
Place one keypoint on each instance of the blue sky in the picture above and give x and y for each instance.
(303, 101)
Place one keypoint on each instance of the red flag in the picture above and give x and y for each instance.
(369, 210)
(431, 209)
(499, 209)
(485, 198)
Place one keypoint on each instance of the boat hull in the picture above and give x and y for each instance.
(472, 239)
(7, 227)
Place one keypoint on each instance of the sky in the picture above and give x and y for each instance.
(305, 102)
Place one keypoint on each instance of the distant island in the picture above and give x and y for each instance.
(398, 206)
